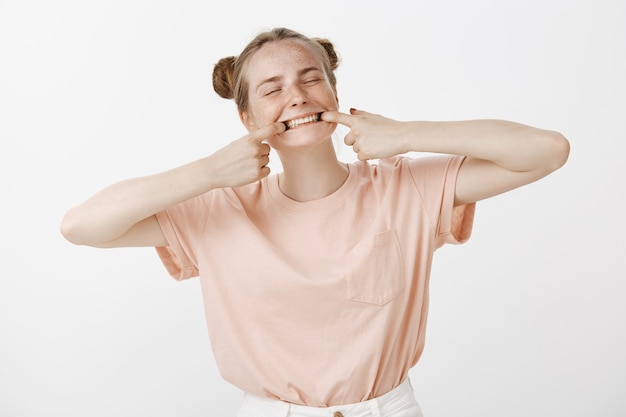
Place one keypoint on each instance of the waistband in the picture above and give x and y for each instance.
(398, 398)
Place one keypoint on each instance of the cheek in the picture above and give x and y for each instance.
(264, 115)
(332, 102)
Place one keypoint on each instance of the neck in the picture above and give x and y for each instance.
(313, 174)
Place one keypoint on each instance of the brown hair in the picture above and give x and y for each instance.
(229, 79)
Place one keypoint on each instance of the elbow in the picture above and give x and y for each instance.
(557, 151)
(71, 229)
(68, 229)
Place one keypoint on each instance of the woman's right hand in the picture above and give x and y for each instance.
(244, 160)
(122, 214)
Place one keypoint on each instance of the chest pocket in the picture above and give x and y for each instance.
(375, 269)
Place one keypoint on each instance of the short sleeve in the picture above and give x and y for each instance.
(182, 225)
(436, 178)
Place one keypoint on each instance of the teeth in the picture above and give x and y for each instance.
(297, 122)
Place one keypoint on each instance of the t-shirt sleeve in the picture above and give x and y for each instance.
(435, 178)
(182, 225)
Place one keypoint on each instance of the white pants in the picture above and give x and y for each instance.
(399, 402)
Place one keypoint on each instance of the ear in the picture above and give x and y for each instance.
(247, 121)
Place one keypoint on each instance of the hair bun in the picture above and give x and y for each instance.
(330, 51)
(223, 77)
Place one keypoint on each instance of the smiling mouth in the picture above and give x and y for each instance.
(290, 124)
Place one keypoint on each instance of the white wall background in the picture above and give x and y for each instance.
(527, 318)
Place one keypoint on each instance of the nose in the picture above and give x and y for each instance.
(297, 95)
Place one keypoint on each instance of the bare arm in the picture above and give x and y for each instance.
(501, 155)
(123, 214)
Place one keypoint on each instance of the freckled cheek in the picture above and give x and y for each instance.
(265, 116)
(332, 104)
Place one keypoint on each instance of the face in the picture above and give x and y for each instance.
(287, 83)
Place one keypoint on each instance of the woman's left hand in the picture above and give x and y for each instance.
(371, 136)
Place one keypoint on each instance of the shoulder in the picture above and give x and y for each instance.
(244, 195)
(381, 166)
(400, 166)
(427, 173)
(428, 166)
(227, 196)
(384, 174)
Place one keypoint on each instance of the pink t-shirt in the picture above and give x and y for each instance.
(322, 302)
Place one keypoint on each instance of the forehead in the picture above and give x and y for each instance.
(276, 57)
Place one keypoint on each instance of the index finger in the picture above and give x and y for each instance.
(337, 117)
(265, 132)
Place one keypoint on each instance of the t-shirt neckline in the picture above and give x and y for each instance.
(323, 203)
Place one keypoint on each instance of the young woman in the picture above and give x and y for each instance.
(315, 279)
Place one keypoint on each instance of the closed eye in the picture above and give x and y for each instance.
(312, 81)
(272, 91)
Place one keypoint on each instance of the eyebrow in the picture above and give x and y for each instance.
(278, 77)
